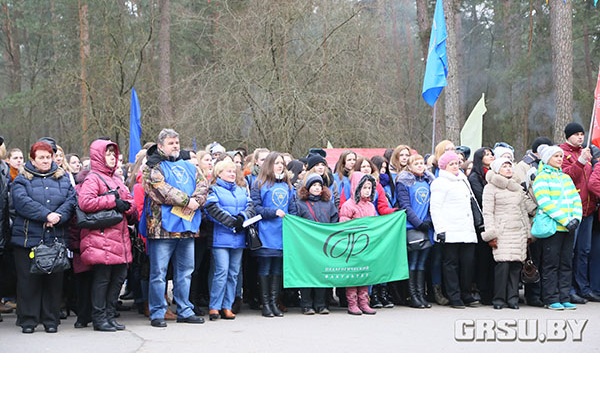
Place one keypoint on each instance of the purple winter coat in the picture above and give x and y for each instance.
(112, 245)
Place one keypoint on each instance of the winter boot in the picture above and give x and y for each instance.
(439, 296)
(363, 300)
(421, 289)
(265, 295)
(385, 297)
(375, 300)
(415, 301)
(276, 281)
(352, 299)
(340, 292)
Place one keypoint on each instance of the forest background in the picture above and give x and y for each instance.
(290, 75)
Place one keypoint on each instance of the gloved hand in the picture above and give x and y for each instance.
(425, 226)
(122, 205)
(239, 221)
(493, 243)
(441, 237)
(572, 225)
(115, 192)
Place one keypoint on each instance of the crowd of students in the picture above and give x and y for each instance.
(471, 219)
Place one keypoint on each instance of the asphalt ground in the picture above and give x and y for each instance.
(440, 329)
(396, 353)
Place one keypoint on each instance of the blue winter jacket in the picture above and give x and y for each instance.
(224, 202)
(35, 195)
(267, 200)
(413, 195)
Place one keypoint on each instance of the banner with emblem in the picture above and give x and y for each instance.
(360, 252)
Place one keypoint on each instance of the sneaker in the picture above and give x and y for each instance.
(308, 311)
(323, 311)
(569, 306)
(555, 306)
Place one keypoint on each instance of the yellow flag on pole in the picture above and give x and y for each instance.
(471, 134)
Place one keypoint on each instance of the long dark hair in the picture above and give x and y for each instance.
(478, 161)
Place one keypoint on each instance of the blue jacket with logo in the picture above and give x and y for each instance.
(224, 202)
(267, 200)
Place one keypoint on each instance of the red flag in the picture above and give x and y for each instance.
(595, 131)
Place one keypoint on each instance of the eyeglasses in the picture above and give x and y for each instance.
(503, 144)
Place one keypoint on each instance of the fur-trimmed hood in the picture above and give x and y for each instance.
(29, 171)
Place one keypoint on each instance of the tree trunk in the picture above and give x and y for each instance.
(561, 34)
(164, 80)
(84, 54)
(12, 54)
(452, 90)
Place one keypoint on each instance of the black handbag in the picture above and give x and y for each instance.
(253, 241)
(476, 211)
(529, 272)
(417, 240)
(99, 219)
(50, 258)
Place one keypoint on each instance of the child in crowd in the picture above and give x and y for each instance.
(358, 206)
(314, 203)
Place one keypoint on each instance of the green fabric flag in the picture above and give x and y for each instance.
(360, 252)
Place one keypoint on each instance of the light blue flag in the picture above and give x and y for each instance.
(436, 69)
(135, 127)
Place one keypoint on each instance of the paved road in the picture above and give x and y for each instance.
(397, 330)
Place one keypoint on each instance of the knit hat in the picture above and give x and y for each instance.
(446, 158)
(217, 148)
(313, 160)
(320, 152)
(501, 151)
(50, 141)
(546, 152)
(539, 141)
(498, 163)
(311, 179)
(573, 128)
(465, 150)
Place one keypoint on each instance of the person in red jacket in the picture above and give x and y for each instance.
(577, 164)
(108, 250)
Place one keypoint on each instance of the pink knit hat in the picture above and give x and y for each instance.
(446, 158)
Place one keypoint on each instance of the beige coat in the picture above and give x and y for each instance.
(505, 215)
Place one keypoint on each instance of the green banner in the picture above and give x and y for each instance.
(360, 252)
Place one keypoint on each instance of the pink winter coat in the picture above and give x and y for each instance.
(358, 207)
(112, 245)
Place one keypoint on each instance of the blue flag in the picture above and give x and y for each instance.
(135, 127)
(436, 69)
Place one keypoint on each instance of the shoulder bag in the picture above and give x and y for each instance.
(417, 240)
(99, 219)
(543, 225)
(476, 211)
(49, 258)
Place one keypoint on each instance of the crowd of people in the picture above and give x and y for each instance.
(184, 216)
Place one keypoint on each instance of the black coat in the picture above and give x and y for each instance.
(35, 195)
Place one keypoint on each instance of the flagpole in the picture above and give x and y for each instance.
(433, 131)
(591, 131)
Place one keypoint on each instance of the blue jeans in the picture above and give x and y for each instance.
(581, 256)
(161, 251)
(417, 259)
(270, 266)
(435, 264)
(224, 281)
